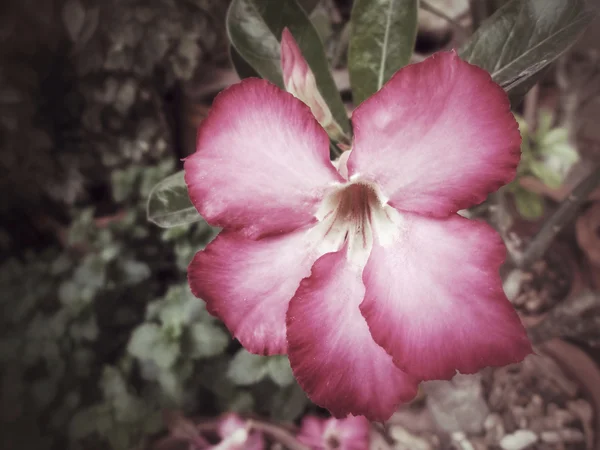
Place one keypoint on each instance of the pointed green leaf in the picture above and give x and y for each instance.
(169, 204)
(255, 27)
(523, 37)
(245, 70)
(382, 40)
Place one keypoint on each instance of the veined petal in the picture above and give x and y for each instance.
(434, 299)
(437, 138)
(249, 283)
(331, 351)
(262, 161)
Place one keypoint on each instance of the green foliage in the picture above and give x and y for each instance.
(177, 332)
(169, 204)
(546, 154)
(247, 368)
(382, 39)
(523, 37)
(121, 417)
(255, 27)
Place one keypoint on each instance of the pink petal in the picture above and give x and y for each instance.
(351, 433)
(262, 161)
(235, 435)
(311, 432)
(437, 138)
(434, 299)
(229, 424)
(248, 284)
(331, 351)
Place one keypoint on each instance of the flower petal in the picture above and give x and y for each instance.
(248, 283)
(311, 431)
(262, 161)
(434, 299)
(351, 433)
(438, 137)
(331, 351)
(300, 81)
(235, 435)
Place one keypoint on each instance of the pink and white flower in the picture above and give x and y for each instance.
(360, 270)
(351, 433)
(235, 434)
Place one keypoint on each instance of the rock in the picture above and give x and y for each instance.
(519, 440)
(406, 440)
(566, 435)
(457, 405)
(461, 442)
(494, 427)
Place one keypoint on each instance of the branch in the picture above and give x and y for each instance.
(556, 222)
(438, 12)
(279, 434)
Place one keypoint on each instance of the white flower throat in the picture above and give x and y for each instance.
(355, 214)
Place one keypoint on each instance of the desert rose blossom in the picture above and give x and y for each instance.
(361, 271)
(351, 433)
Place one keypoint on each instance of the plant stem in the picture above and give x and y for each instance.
(278, 434)
(530, 107)
(556, 222)
(438, 12)
(478, 12)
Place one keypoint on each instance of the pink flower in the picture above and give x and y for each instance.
(362, 271)
(236, 435)
(335, 434)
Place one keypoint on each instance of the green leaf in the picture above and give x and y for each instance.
(207, 340)
(169, 204)
(382, 40)
(308, 5)
(280, 370)
(529, 204)
(523, 37)
(254, 28)
(549, 177)
(245, 70)
(242, 68)
(246, 368)
(147, 342)
(289, 403)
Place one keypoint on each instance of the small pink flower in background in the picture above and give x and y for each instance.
(361, 272)
(236, 435)
(234, 432)
(351, 433)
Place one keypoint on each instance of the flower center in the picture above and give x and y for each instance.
(354, 214)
